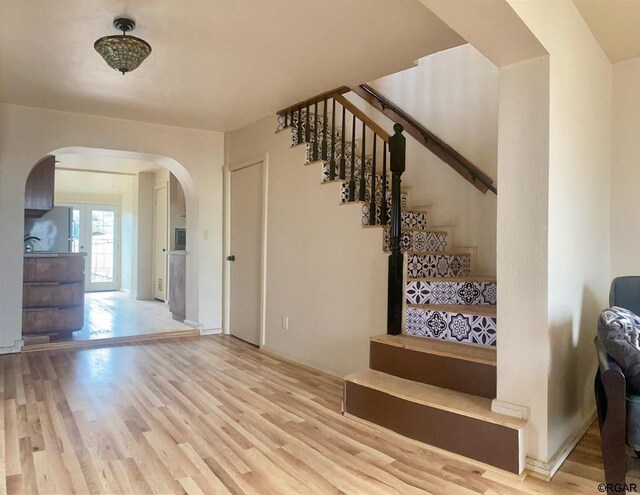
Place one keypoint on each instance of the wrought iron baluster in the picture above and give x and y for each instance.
(332, 162)
(352, 179)
(323, 153)
(362, 189)
(343, 159)
(307, 131)
(372, 202)
(300, 136)
(314, 149)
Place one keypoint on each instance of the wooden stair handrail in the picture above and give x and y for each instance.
(315, 99)
(364, 118)
(428, 139)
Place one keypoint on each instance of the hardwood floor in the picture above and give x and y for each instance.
(116, 316)
(215, 415)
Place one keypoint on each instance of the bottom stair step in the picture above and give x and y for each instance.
(460, 423)
(462, 367)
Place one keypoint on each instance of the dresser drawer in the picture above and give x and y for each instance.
(52, 320)
(55, 269)
(39, 295)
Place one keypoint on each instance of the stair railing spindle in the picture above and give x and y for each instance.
(343, 159)
(314, 149)
(332, 161)
(307, 133)
(362, 189)
(372, 202)
(352, 179)
(300, 136)
(323, 152)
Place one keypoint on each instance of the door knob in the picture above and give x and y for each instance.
(164, 250)
(231, 258)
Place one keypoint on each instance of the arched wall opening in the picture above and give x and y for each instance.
(108, 206)
(193, 156)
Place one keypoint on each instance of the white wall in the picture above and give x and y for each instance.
(579, 208)
(523, 172)
(195, 157)
(454, 93)
(128, 282)
(625, 174)
(144, 235)
(325, 272)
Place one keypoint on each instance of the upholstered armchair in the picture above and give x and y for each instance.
(617, 402)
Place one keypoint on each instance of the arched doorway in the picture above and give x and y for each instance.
(124, 217)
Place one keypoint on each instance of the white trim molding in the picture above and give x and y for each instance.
(12, 349)
(194, 324)
(546, 469)
(211, 331)
(200, 328)
(510, 409)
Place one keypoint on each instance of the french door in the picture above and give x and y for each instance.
(95, 230)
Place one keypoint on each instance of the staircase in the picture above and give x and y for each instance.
(435, 380)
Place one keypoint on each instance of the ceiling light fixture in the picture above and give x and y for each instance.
(123, 53)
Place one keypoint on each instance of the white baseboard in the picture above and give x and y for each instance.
(200, 328)
(194, 324)
(211, 331)
(12, 349)
(546, 469)
(510, 409)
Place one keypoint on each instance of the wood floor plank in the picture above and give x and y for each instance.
(213, 415)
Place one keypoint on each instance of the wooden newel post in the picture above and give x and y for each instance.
(397, 146)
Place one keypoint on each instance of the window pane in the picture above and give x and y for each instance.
(102, 245)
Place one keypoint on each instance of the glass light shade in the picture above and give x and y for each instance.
(123, 53)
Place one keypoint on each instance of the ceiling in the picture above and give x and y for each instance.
(615, 24)
(92, 183)
(215, 64)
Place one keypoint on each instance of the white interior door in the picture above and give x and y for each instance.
(95, 230)
(246, 253)
(160, 237)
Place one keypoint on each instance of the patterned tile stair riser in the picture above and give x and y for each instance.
(409, 219)
(438, 265)
(344, 192)
(451, 326)
(417, 240)
(448, 292)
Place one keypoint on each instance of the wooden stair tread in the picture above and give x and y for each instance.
(440, 398)
(470, 309)
(454, 350)
(477, 278)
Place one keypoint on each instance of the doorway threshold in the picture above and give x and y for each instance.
(110, 341)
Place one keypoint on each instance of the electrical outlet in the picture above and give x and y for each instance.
(285, 322)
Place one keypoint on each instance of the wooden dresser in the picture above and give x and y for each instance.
(53, 293)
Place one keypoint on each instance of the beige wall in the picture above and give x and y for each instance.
(579, 206)
(325, 272)
(454, 93)
(625, 175)
(523, 173)
(195, 157)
